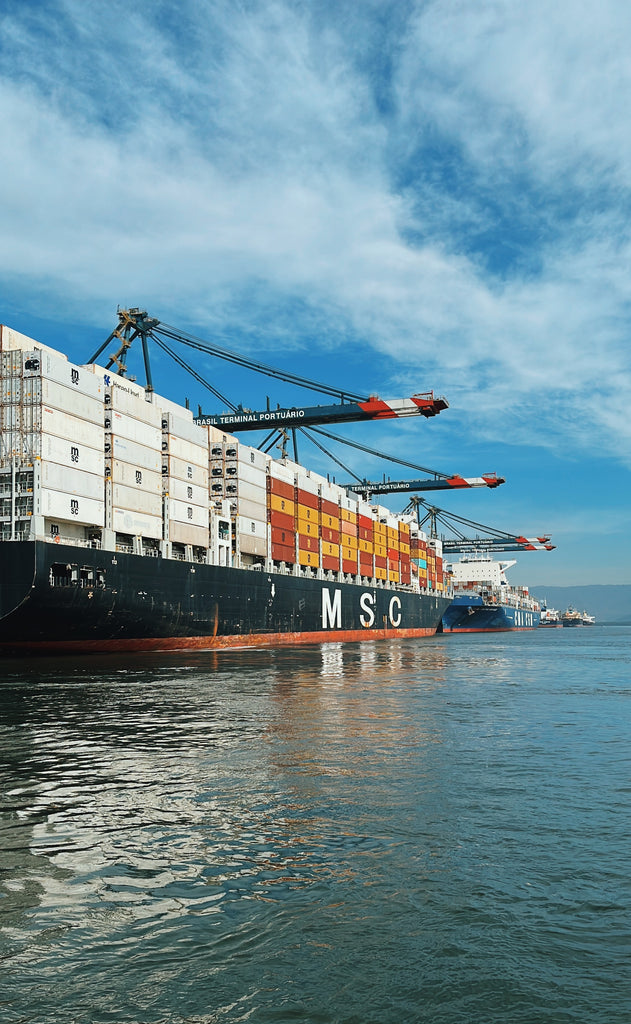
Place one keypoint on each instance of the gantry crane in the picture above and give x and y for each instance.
(136, 323)
(492, 540)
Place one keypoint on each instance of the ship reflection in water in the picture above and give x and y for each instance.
(316, 834)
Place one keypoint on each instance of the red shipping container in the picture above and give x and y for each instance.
(308, 543)
(365, 521)
(283, 553)
(279, 487)
(331, 536)
(283, 536)
(330, 508)
(380, 562)
(365, 533)
(349, 566)
(304, 498)
(329, 562)
(281, 520)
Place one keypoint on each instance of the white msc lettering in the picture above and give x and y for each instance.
(366, 603)
(395, 617)
(331, 609)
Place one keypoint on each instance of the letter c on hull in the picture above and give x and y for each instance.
(395, 615)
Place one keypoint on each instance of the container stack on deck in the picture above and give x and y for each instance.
(94, 459)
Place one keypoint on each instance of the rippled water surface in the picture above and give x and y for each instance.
(433, 831)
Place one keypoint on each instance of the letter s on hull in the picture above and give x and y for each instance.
(366, 603)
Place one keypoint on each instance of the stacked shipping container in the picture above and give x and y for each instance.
(95, 457)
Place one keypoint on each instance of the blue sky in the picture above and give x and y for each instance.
(392, 196)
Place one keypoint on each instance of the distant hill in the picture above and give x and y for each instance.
(610, 604)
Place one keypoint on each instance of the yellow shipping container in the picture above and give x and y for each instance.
(367, 546)
(404, 548)
(330, 549)
(381, 550)
(380, 574)
(350, 542)
(331, 522)
(393, 576)
(306, 512)
(309, 558)
(282, 505)
(307, 528)
(348, 517)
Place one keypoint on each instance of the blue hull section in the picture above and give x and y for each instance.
(471, 615)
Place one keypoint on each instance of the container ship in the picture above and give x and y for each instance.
(484, 601)
(125, 525)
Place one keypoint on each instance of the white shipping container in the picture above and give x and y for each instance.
(176, 446)
(185, 491)
(184, 533)
(11, 363)
(11, 389)
(252, 545)
(132, 429)
(134, 476)
(10, 339)
(11, 417)
(253, 457)
(53, 367)
(185, 429)
(252, 509)
(137, 500)
(133, 453)
(130, 404)
(72, 481)
(167, 406)
(251, 527)
(251, 474)
(109, 379)
(49, 392)
(70, 508)
(62, 424)
(181, 469)
(71, 454)
(252, 492)
(136, 524)
(284, 470)
(217, 436)
(186, 512)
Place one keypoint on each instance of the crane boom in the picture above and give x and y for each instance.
(439, 482)
(346, 412)
(487, 539)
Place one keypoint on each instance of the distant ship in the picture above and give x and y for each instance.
(484, 600)
(550, 618)
(572, 617)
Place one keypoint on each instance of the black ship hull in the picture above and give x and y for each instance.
(61, 598)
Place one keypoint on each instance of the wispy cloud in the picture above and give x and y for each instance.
(446, 183)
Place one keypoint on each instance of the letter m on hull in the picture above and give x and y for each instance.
(331, 609)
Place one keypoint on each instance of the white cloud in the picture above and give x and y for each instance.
(243, 152)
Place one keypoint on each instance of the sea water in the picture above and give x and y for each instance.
(399, 831)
